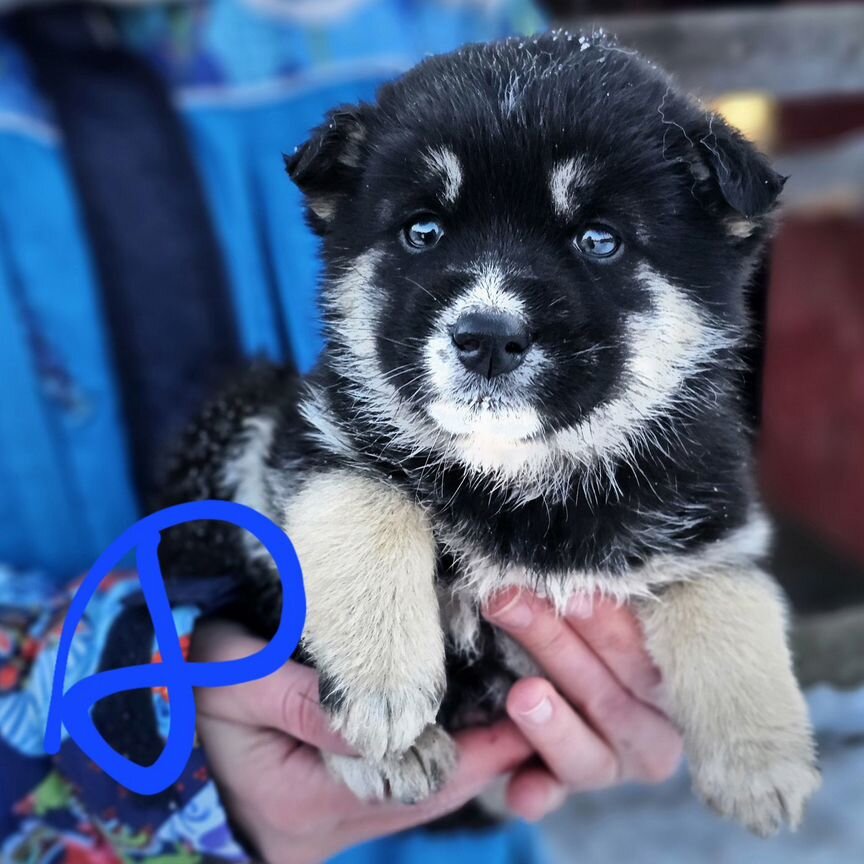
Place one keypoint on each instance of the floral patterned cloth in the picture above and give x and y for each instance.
(69, 811)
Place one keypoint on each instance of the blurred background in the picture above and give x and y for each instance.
(247, 79)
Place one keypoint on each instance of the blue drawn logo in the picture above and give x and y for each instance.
(72, 708)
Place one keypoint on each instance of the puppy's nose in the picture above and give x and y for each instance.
(491, 343)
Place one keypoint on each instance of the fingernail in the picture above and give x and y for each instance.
(580, 606)
(538, 715)
(512, 611)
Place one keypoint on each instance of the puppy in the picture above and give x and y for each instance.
(536, 257)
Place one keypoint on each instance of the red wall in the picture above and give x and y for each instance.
(812, 453)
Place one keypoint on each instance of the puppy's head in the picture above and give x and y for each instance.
(532, 248)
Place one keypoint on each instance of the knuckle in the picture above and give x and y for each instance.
(287, 719)
(527, 692)
(609, 771)
(205, 700)
(271, 808)
(308, 720)
(295, 713)
(661, 764)
(612, 639)
(659, 772)
(602, 771)
(610, 703)
(549, 640)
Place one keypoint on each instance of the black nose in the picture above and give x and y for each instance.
(491, 343)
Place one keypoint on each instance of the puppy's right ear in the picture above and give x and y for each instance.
(327, 167)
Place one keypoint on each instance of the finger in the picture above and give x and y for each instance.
(286, 700)
(613, 632)
(485, 754)
(647, 745)
(533, 793)
(574, 753)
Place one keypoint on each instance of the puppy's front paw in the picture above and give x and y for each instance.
(762, 785)
(420, 771)
(380, 723)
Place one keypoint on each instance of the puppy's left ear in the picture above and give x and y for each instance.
(743, 175)
(327, 167)
(732, 176)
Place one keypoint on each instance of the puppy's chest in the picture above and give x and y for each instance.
(558, 551)
(559, 555)
(537, 538)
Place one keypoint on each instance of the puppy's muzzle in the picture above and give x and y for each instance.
(491, 343)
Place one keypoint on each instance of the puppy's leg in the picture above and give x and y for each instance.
(373, 629)
(720, 644)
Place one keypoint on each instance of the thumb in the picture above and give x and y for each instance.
(485, 754)
(287, 700)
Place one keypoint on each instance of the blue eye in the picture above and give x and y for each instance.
(598, 241)
(422, 233)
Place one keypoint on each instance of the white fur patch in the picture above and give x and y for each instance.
(314, 408)
(354, 299)
(668, 344)
(444, 163)
(564, 177)
(492, 430)
(246, 470)
(322, 206)
(741, 228)
(488, 291)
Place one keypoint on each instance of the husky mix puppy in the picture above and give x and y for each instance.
(536, 257)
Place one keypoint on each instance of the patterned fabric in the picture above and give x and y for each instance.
(74, 812)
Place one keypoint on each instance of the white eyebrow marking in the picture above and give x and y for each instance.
(565, 175)
(445, 163)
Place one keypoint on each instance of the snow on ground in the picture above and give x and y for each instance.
(666, 825)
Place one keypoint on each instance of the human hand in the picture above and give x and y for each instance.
(595, 721)
(262, 740)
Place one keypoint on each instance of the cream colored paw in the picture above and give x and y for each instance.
(420, 771)
(762, 786)
(380, 724)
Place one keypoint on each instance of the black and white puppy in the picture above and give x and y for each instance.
(536, 257)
